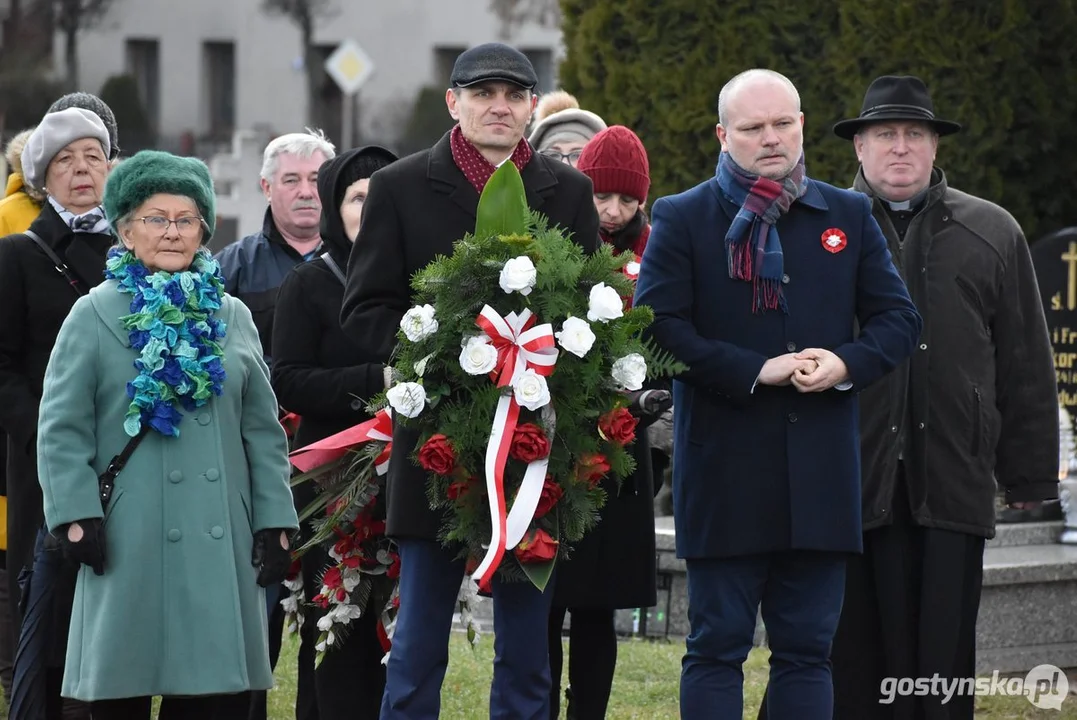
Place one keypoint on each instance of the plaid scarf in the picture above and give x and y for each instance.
(752, 245)
(475, 167)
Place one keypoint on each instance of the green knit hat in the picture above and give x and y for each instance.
(149, 172)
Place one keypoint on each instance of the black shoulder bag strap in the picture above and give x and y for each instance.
(61, 267)
(335, 268)
(107, 480)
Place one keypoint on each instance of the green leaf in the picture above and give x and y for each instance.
(539, 573)
(503, 204)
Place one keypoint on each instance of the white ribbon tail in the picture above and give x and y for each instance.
(527, 500)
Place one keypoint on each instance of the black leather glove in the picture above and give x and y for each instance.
(650, 403)
(90, 548)
(271, 560)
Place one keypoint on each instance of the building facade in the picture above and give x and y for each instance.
(205, 68)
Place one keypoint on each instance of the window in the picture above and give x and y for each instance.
(219, 73)
(542, 60)
(143, 65)
(444, 59)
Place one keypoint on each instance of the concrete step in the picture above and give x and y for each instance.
(1035, 533)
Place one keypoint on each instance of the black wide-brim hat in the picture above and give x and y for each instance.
(895, 97)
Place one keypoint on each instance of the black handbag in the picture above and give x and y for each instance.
(106, 481)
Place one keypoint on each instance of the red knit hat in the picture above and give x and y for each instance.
(616, 162)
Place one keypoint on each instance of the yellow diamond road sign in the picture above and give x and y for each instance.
(349, 66)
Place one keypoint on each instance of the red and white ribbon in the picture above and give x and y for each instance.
(334, 447)
(520, 346)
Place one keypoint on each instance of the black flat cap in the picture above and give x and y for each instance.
(493, 61)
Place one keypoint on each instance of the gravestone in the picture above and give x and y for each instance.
(241, 205)
(1055, 260)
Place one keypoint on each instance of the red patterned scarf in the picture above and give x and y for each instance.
(475, 167)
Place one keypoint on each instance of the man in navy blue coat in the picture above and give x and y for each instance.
(779, 293)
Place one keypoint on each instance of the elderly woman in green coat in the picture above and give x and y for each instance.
(160, 363)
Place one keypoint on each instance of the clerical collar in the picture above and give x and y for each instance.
(906, 205)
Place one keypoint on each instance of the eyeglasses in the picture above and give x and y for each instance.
(571, 158)
(184, 225)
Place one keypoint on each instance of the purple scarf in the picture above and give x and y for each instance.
(752, 245)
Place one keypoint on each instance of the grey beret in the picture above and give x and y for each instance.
(580, 122)
(493, 61)
(98, 107)
(56, 131)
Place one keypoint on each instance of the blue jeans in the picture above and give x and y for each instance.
(430, 580)
(801, 594)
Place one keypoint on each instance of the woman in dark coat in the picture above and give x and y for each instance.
(67, 156)
(319, 374)
(613, 567)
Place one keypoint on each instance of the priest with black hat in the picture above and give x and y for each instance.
(415, 210)
(976, 404)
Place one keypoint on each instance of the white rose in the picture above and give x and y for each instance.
(630, 371)
(519, 275)
(419, 323)
(478, 356)
(407, 398)
(605, 304)
(576, 336)
(531, 390)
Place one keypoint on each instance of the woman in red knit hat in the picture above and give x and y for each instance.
(613, 567)
(616, 162)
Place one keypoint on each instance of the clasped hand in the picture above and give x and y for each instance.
(810, 370)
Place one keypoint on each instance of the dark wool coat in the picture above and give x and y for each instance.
(615, 565)
(761, 469)
(978, 400)
(35, 299)
(416, 209)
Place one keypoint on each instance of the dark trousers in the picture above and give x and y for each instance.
(592, 659)
(430, 580)
(350, 681)
(209, 707)
(911, 602)
(800, 593)
(306, 706)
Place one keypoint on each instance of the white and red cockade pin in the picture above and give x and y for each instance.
(631, 270)
(834, 240)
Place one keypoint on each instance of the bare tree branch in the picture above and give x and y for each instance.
(73, 16)
(304, 13)
(515, 13)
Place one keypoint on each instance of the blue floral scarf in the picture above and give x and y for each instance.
(177, 338)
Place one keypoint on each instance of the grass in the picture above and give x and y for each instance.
(646, 685)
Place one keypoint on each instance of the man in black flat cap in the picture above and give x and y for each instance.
(976, 403)
(416, 209)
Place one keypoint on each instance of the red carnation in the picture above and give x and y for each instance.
(536, 547)
(618, 426)
(394, 569)
(437, 455)
(551, 493)
(342, 595)
(592, 468)
(529, 443)
(376, 528)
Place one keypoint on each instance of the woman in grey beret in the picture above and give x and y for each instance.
(160, 366)
(42, 273)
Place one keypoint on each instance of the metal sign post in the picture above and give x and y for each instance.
(350, 68)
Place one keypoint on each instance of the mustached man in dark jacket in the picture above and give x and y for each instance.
(321, 374)
(976, 404)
